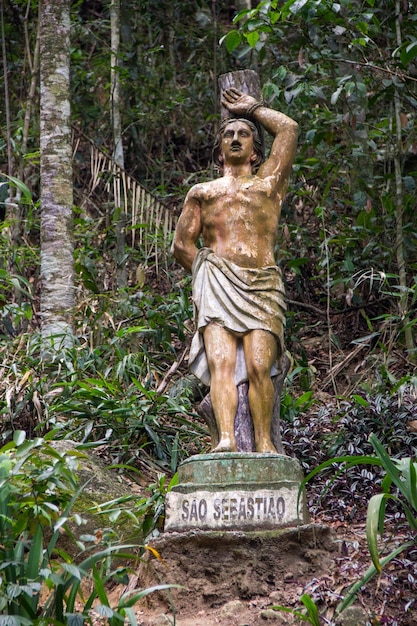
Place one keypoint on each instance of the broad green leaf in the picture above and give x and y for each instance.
(73, 570)
(27, 196)
(99, 587)
(413, 484)
(35, 554)
(285, 609)
(130, 614)
(376, 505)
(409, 53)
(335, 95)
(10, 620)
(245, 13)
(366, 338)
(312, 609)
(106, 611)
(74, 619)
(252, 38)
(132, 597)
(19, 437)
(231, 40)
(387, 463)
(303, 399)
(132, 329)
(360, 400)
(295, 5)
(173, 482)
(350, 597)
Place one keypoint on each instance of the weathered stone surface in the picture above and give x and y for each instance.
(235, 490)
(237, 508)
(99, 486)
(161, 620)
(353, 616)
(276, 618)
(231, 608)
(239, 468)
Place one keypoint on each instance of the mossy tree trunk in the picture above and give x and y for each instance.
(57, 259)
(115, 101)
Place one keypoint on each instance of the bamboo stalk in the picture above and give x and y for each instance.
(133, 212)
(142, 200)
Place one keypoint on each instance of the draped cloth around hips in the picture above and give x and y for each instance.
(240, 299)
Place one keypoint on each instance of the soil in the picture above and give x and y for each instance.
(234, 578)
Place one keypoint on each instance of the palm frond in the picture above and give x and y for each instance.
(152, 222)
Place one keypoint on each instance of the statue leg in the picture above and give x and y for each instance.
(221, 350)
(260, 348)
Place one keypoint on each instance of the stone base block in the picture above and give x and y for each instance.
(236, 491)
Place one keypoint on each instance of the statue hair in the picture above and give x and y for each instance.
(258, 145)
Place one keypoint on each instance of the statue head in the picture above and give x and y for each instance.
(258, 145)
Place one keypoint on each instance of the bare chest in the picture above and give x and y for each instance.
(246, 200)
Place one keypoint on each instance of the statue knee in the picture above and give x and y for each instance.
(221, 368)
(258, 373)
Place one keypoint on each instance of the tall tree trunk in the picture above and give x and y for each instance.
(115, 83)
(6, 94)
(31, 99)
(120, 208)
(10, 205)
(57, 262)
(399, 201)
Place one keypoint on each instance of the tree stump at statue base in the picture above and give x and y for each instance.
(245, 439)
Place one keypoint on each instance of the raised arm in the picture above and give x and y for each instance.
(187, 231)
(280, 126)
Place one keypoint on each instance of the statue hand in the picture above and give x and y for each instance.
(237, 102)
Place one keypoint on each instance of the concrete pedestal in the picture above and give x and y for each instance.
(236, 491)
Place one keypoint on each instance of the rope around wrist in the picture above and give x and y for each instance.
(255, 106)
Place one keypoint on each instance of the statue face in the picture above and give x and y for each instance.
(237, 142)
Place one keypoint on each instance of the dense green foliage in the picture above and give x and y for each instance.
(400, 476)
(38, 487)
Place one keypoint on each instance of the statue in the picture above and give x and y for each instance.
(237, 288)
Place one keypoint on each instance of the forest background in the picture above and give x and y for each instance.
(144, 108)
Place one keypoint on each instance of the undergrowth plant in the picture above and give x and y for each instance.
(115, 403)
(344, 431)
(399, 485)
(40, 583)
(118, 386)
(309, 613)
(146, 513)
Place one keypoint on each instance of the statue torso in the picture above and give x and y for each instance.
(239, 218)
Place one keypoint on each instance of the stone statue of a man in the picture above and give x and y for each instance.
(237, 288)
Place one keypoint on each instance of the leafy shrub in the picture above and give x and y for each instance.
(399, 484)
(37, 490)
(146, 512)
(118, 407)
(337, 431)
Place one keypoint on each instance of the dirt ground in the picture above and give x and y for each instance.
(234, 576)
(234, 579)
